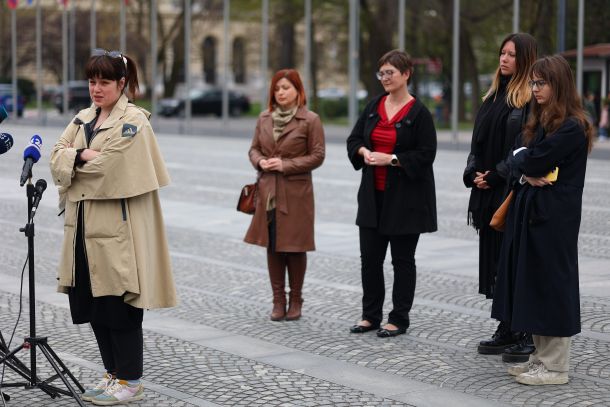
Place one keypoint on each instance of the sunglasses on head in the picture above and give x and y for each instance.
(98, 52)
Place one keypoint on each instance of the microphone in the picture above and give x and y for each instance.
(6, 142)
(31, 155)
(39, 188)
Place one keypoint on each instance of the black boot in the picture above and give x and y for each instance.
(520, 352)
(503, 338)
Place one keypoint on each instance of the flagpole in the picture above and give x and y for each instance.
(153, 52)
(14, 60)
(187, 68)
(41, 116)
(64, 56)
(122, 22)
(72, 41)
(92, 27)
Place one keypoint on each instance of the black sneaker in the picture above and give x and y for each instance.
(501, 339)
(521, 351)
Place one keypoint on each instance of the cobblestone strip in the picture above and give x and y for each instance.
(194, 370)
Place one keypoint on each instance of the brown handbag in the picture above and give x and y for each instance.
(247, 198)
(499, 218)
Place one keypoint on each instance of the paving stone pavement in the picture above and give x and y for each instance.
(218, 348)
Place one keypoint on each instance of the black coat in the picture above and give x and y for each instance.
(409, 204)
(489, 154)
(537, 283)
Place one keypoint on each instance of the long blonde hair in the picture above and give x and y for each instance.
(518, 93)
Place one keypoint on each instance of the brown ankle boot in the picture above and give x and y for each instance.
(279, 310)
(277, 275)
(294, 308)
(297, 263)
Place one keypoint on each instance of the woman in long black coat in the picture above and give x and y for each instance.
(497, 125)
(537, 284)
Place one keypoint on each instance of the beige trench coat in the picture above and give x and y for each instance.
(301, 148)
(125, 240)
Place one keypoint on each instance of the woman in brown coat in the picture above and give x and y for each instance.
(288, 144)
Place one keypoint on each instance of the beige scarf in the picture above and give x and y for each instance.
(280, 119)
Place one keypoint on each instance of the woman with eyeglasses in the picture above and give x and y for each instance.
(537, 287)
(496, 127)
(288, 144)
(394, 144)
(115, 260)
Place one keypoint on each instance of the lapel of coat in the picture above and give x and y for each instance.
(408, 120)
(372, 120)
(83, 117)
(266, 133)
(118, 111)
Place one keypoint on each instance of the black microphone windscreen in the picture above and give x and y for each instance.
(40, 186)
(6, 142)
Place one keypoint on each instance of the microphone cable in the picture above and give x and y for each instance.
(8, 346)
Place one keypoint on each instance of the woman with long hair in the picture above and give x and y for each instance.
(288, 145)
(537, 284)
(496, 127)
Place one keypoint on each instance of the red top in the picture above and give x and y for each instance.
(383, 137)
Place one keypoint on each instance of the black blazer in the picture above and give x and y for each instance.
(409, 204)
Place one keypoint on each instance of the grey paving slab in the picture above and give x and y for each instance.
(218, 346)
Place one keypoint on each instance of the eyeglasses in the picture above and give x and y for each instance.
(381, 74)
(99, 52)
(539, 83)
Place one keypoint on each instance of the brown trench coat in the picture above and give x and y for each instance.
(124, 232)
(301, 148)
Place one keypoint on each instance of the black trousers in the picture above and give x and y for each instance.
(373, 248)
(116, 324)
(122, 351)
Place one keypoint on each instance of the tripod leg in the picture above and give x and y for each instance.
(45, 350)
(13, 362)
(64, 367)
(11, 354)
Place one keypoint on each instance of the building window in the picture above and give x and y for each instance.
(209, 60)
(239, 60)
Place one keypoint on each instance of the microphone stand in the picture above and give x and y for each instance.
(32, 342)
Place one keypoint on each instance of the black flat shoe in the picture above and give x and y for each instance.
(360, 329)
(388, 333)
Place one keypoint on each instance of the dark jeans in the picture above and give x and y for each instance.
(373, 248)
(122, 351)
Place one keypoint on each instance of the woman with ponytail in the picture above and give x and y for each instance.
(115, 259)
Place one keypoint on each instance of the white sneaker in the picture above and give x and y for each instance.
(119, 392)
(516, 370)
(98, 389)
(541, 376)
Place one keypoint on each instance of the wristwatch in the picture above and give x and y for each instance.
(394, 161)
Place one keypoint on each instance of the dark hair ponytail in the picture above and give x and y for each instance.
(131, 77)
